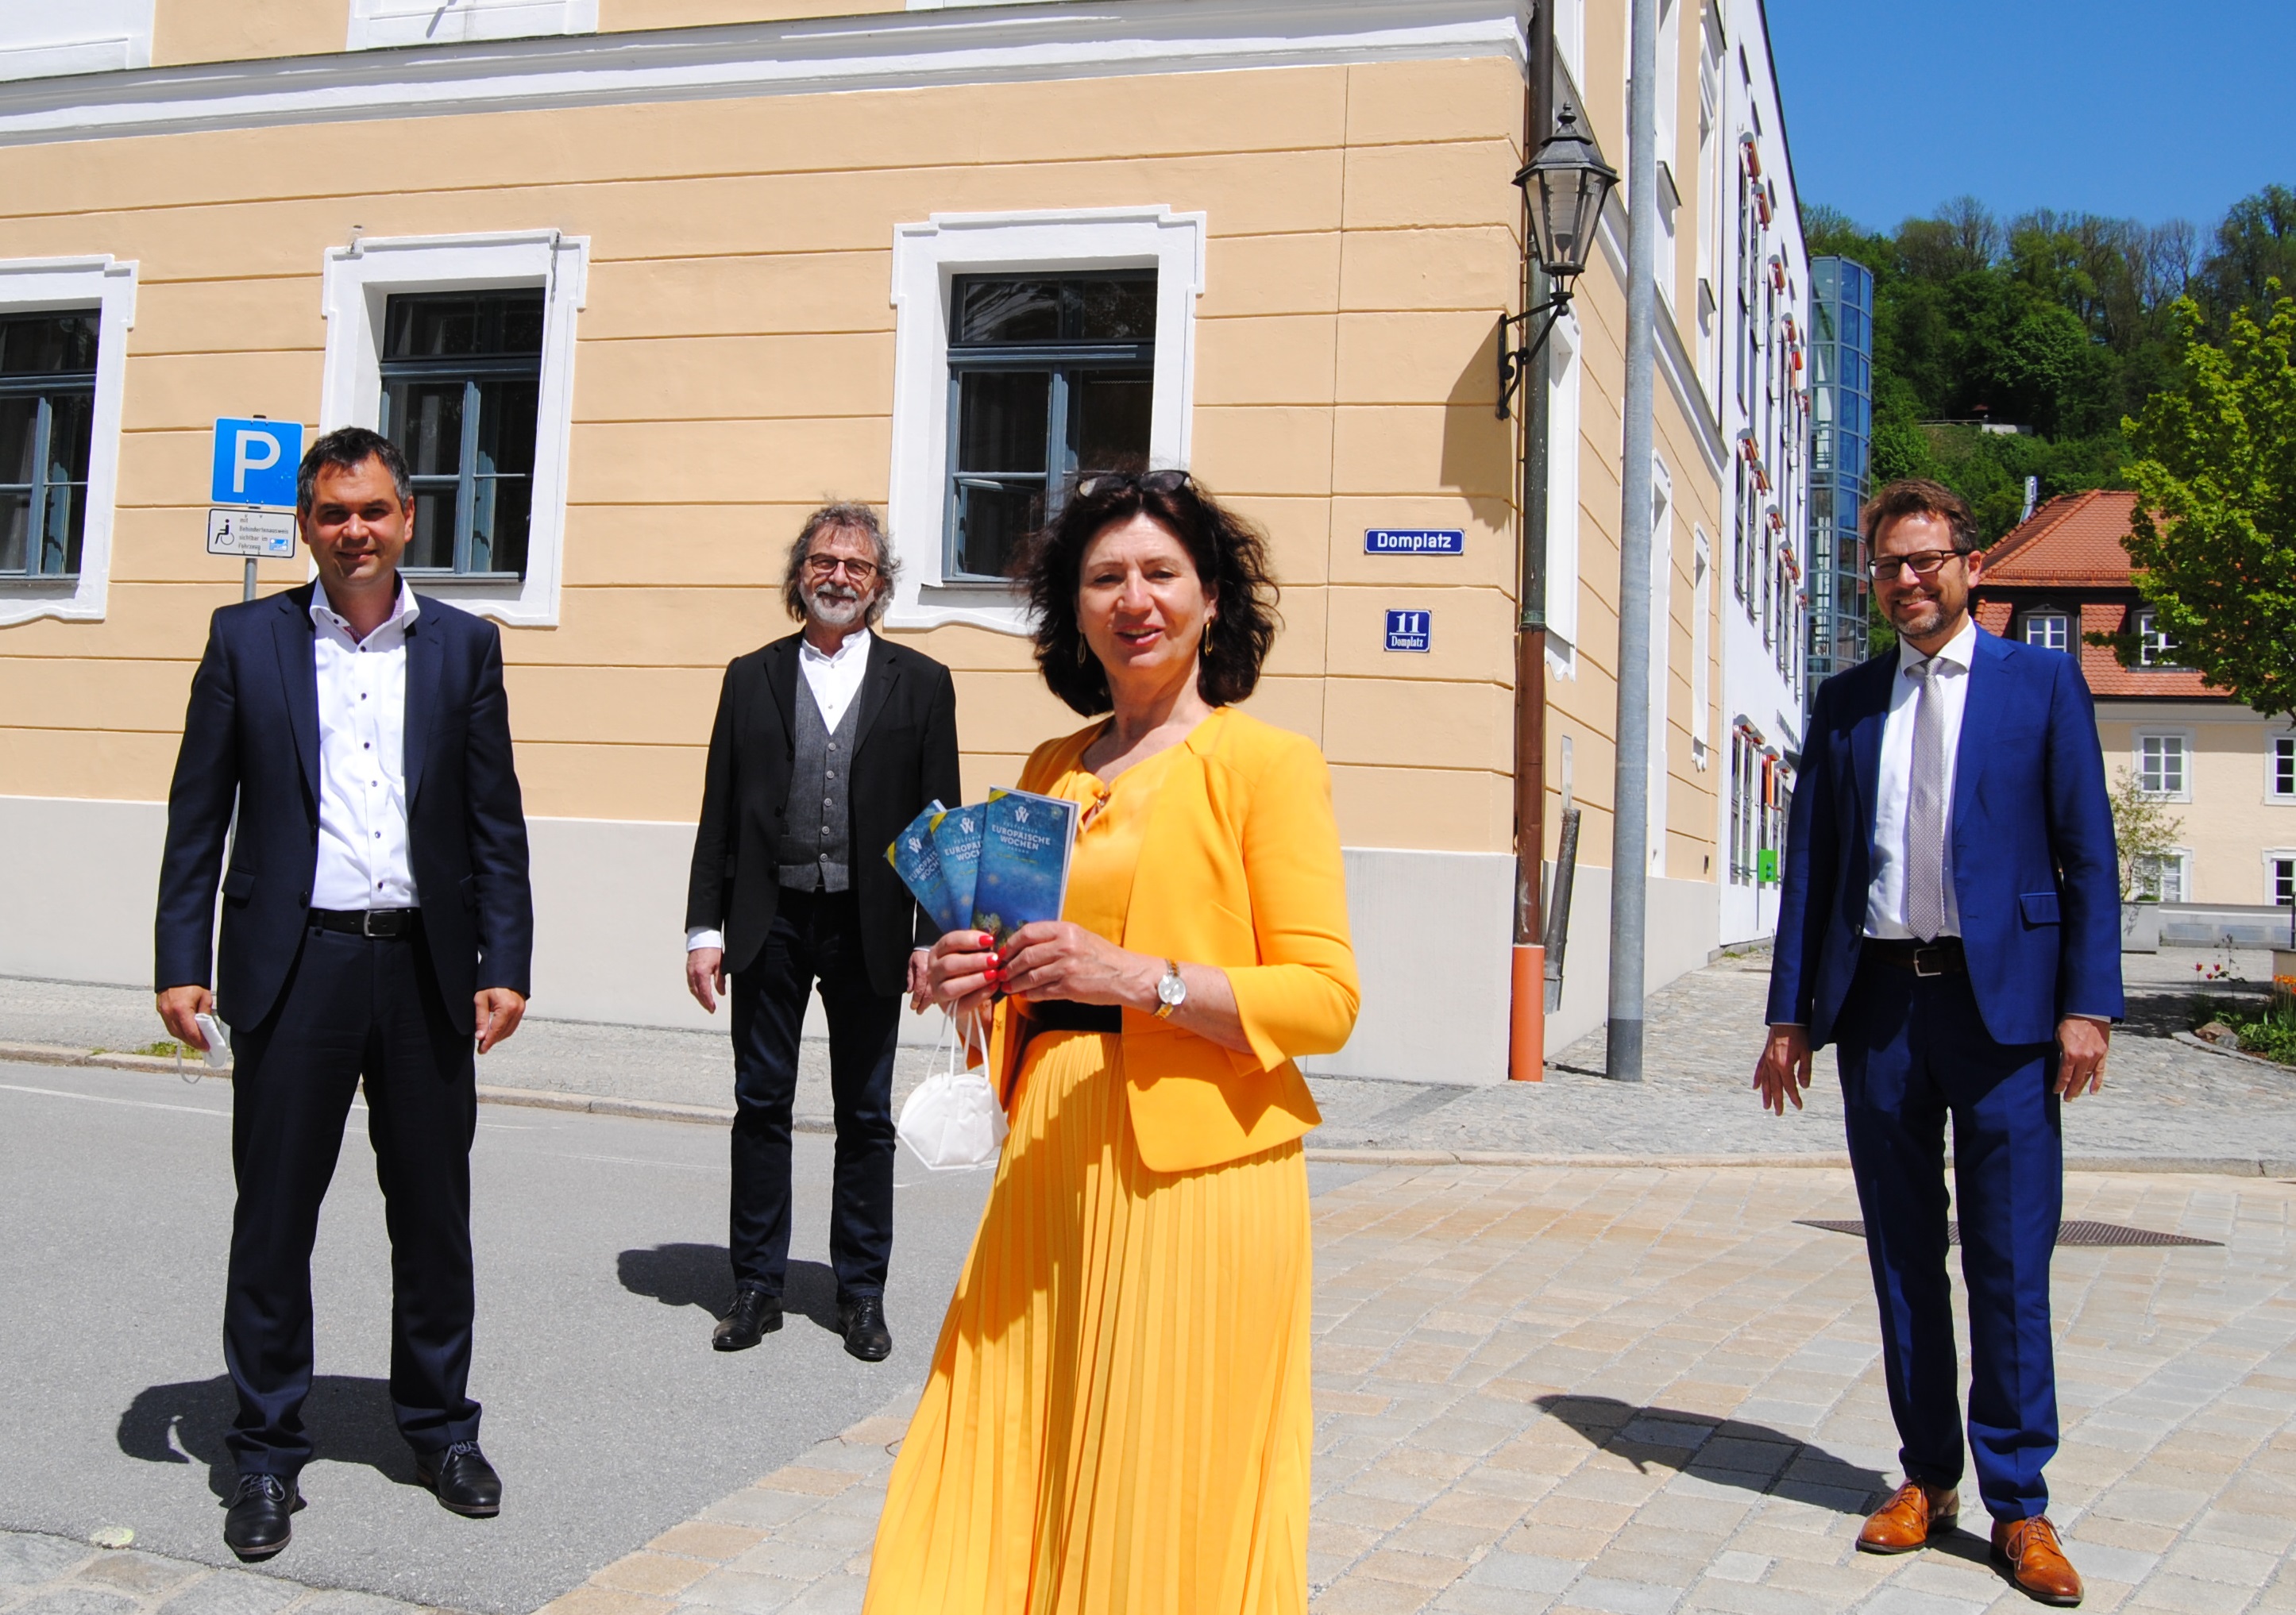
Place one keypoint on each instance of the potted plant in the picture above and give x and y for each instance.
(2144, 833)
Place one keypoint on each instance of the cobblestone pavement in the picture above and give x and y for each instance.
(1639, 1391)
(55, 1575)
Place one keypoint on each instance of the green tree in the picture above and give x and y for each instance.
(2215, 539)
(2144, 831)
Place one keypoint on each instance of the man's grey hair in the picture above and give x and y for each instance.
(847, 517)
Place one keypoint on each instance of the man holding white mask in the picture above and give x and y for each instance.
(827, 745)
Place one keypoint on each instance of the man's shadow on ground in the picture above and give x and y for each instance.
(702, 1275)
(349, 1419)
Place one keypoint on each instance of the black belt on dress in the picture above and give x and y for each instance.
(368, 921)
(1942, 957)
(1067, 1015)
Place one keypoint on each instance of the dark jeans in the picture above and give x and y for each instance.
(815, 937)
(354, 1008)
(1915, 1054)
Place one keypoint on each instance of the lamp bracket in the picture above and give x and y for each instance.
(1514, 363)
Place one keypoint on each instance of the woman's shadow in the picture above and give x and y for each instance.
(350, 1418)
(702, 1275)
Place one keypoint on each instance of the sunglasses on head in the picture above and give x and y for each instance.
(1147, 482)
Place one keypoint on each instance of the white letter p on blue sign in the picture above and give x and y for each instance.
(255, 462)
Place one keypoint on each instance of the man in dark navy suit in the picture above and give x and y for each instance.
(1950, 920)
(377, 924)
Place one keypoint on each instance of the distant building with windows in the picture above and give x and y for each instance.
(1841, 450)
(2225, 770)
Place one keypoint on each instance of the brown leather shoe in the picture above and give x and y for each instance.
(2029, 1551)
(1908, 1520)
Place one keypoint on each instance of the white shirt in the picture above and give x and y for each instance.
(362, 854)
(835, 679)
(1885, 899)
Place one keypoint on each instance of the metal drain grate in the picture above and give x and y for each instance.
(2067, 1233)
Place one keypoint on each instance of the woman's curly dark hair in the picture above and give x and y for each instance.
(1230, 556)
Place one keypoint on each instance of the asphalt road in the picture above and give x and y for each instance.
(602, 1264)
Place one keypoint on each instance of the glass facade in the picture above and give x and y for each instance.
(1842, 434)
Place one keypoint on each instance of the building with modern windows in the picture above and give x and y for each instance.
(1840, 449)
(639, 283)
(2224, 772)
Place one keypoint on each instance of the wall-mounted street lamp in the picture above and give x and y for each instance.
(1566, 183)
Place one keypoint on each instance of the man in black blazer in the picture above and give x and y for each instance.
(376, 922)
(827, 743)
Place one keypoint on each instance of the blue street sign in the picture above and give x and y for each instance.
(1408, 630)
(1414, 541)
(255, 462)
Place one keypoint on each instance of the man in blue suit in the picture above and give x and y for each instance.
(1950, 921)
(376, 923)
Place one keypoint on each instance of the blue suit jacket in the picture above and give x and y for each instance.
(251, 738)
(2034, 868)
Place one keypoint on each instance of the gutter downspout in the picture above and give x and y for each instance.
(1527, 974)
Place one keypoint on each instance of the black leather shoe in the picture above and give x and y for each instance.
(863, 1319)
(258, 1524)
(755, 1316)
(466, 1482)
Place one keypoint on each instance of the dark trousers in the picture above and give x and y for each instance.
(816, 937)
(1914, 1054)
(352, 1008)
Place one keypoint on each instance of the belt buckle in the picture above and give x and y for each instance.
(1928, 961)
(366, 924)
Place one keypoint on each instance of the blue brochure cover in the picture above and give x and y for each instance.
(1025, 839)
(915, 858)
(958, 834)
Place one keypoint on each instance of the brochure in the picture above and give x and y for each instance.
(957, 835)
(1025, 841)
(915, 858)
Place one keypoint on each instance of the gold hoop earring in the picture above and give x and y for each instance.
(1083, 650)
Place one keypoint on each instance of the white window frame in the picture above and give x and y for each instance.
(927, 257)
(43, 41)
(360, 281)
(382, 24)
(1571, 37)
(2274, 856)
(2152, 647)
(1661, 647)
(1564, 375)
(1701, 646)
(2274, 745)
(108, 285)
(2057, 614)
(2184, 738)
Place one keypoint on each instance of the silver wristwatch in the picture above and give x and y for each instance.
(1172, 992)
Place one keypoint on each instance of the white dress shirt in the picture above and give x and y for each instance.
(1885, 899)
(363, 852)
(835, 678)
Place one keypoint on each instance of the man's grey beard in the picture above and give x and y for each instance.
(835, 606)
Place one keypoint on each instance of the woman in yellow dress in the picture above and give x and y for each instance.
(1117, 1421)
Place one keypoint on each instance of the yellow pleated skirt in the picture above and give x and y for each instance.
(1119, 1419)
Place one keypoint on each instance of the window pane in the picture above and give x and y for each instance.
(1001, 420)
(991, 520)
(2283, 882)
(1109, 417)
(72, 429)
(18, 421)
(1007, 311)
(462, 326)
(506, 422)
(1119, 311)
(2284, 766)
(426, 421)
(433, 543)
(503, 508)
(15, 529)
(48, 344)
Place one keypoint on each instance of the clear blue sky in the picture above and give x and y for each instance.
(2151, 111)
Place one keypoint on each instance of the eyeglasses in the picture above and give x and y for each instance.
(826, 566)
(1923, 563)
(1147, 482)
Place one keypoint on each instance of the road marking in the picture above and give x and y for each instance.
(139, 1104)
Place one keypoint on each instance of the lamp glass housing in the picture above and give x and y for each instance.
(1567, 183)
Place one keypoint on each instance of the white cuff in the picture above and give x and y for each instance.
(701, 936)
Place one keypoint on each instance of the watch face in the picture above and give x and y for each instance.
(1172, 990)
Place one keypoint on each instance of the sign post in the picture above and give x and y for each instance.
(251, 489)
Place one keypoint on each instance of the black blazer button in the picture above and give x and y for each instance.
(303, 899)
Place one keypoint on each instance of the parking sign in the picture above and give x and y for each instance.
(255, 462)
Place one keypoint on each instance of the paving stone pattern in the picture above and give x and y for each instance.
(1634, 1390)
(41, 1575)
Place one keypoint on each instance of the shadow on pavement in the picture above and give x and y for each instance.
(686, 1274)
(350, 1418)
(1723, 1452)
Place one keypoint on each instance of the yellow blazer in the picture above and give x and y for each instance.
(1239, 867)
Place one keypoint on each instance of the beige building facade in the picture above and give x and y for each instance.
(677, 271)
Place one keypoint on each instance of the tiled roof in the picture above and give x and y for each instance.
(2073, 542)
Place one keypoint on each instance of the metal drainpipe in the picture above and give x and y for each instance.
(1630, 816)
(1526, 972)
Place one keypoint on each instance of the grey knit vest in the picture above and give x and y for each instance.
(816, 854)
